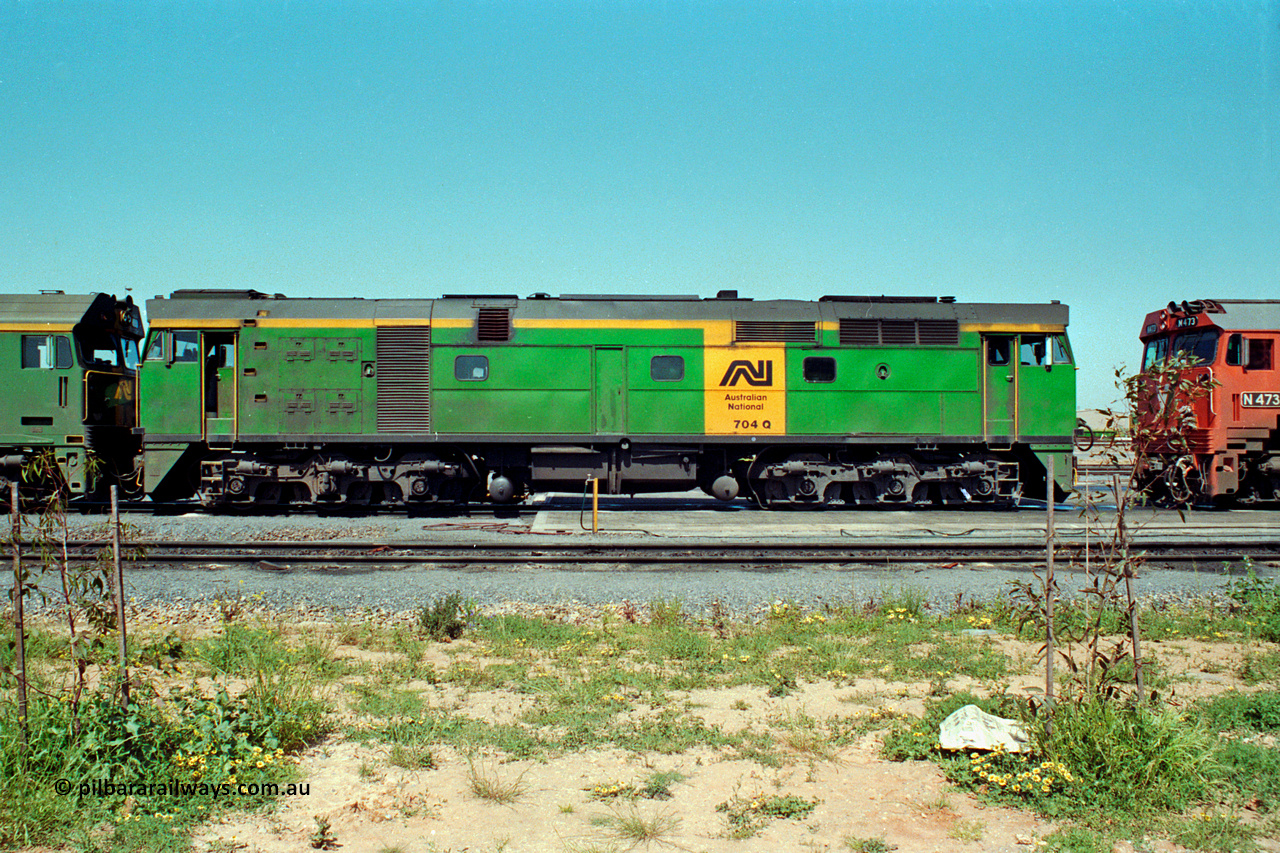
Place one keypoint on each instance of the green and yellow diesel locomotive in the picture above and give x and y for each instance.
(254, 398)
(68, 364)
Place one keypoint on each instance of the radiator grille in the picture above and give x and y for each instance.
(404, 379)
(493, 324)
(945, 332)
(780, 331)
(898, 332)
(858, 332)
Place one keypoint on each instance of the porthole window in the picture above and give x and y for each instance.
(471, 368)
(820, 369)
(666, 368)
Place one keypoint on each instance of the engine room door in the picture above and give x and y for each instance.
(219, 381)
(1000, 388)
(610, 390)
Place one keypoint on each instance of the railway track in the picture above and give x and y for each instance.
(329, 556)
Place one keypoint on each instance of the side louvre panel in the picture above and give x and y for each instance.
(944, 332)
(860, 332)
(857, 332)
(493, 324)
(782, 331)
(404, 379)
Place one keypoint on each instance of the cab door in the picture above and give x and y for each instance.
(1000, 387)
(1046, 386)
(218, 380)
(170, 386)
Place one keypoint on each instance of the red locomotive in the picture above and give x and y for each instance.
(1228, 446)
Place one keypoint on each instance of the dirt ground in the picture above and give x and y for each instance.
(372, 805)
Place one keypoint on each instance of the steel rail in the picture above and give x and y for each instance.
(714, 553)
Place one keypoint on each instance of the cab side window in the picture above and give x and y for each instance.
(1260, 354)
(156, 350)
(46, 352)
(1034, 351)
(186, 346)
(1250, 353)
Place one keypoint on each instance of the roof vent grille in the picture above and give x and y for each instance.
(862, 332)
(493, 324)
(784, 331)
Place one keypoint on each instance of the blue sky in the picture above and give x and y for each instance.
(1111, 155)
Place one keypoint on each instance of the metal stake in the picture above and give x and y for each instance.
(19, 617)
(117, 582)
(1048, 595)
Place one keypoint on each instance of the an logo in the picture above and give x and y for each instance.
(757, 374)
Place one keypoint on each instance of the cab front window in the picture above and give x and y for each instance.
(1199, 347)
(1155, 354)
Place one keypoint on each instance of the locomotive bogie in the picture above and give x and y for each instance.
(331, 477)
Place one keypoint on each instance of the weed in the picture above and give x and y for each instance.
(1260, 668)
(968, 831)
(666, 612)
(610, 791)
(322, 838)
(1127, 755)
(415, 757)
(631, 825)
(747, 817)
(380, 701)
(906, 604)
(868, 845)
(804, 735)
(658, 785)
(1253, 771)
(1253, 711)
(781, 683)
(1076, 839)
(446, 618)
(1213, 831)
(588, 847)
(487, 785)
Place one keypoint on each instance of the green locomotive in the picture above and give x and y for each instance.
(251, 398)
(68, 364)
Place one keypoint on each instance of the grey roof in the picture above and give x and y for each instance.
(203, 305)
(60, 309)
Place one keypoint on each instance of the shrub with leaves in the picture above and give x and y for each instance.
(748, 816)
(445, 618)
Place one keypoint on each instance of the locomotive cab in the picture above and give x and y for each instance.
(70, 364)
(1218, 439)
